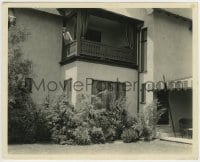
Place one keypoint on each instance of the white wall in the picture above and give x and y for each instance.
(43, 47)
(173, 48)
(109, 73)
(80, 71)
(70, 71)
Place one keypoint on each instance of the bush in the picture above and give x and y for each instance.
(129, 121)
(60, 118)
(147, 133)
(21, 110)
(110, 134)
(129, 135)
(43, 133)
(97, 135)
(88, 123)
(21, 127)
(148, 119)
(81, 136)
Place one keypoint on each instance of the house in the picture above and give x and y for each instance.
(90, 50)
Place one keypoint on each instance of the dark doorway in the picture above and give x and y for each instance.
(162, 97)
(93, 35)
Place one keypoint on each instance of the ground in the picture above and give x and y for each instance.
(154, 147)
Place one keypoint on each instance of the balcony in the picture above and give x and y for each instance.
(101, 36)
(100, 52)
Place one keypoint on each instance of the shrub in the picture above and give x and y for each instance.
(21, 110)
(110, 134)
(21, 127)
(148, 119)
(81, 136)
(97, 135)
(60, 117)
(129, 121)
(129, 135)
(147, 133)
(88, 122)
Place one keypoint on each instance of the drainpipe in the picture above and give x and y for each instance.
(138, 74)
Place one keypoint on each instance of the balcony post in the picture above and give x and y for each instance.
(78, 32)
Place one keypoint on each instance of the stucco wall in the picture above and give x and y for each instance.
(109, 73)
(172, 48)
(43, 47)
(147, 76)
(70, 71)
(84, 72)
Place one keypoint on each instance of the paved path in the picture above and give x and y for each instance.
(141, 147)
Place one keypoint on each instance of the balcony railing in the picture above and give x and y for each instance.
(100, 51)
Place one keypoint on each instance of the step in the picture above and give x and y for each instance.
(177, 139)
(161, 134)
(164, 129)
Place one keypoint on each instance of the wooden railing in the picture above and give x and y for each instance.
(101, 51)
(69, 50)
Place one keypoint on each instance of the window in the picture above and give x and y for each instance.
(143, 93)
(28, 84)
(144, 50)
(68, 88)
(93, 35)
(115, 90)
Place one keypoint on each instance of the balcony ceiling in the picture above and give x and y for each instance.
(106, 23)
(113, 16)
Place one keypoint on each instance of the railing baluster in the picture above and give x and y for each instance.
(100, 50)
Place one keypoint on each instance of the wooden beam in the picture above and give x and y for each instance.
(112, 16)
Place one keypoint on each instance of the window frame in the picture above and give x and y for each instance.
(108, 83)
(70, 88)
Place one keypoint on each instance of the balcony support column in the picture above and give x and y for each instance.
(78, 32)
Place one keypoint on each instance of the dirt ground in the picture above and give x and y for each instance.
(154, 147)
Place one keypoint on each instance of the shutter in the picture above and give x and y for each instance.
(122, 90)
(144, 50)
(143, 94)
(68, 88)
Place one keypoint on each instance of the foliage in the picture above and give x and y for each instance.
(42, 133)
(97, 135)
(110, 134)
(81, 136)
(21, 110)
(18, 69)
(20, 126)
(147, 133)
(59, 114)
(130, 135)
(148, 118)
(87, 122)
(90, 122)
